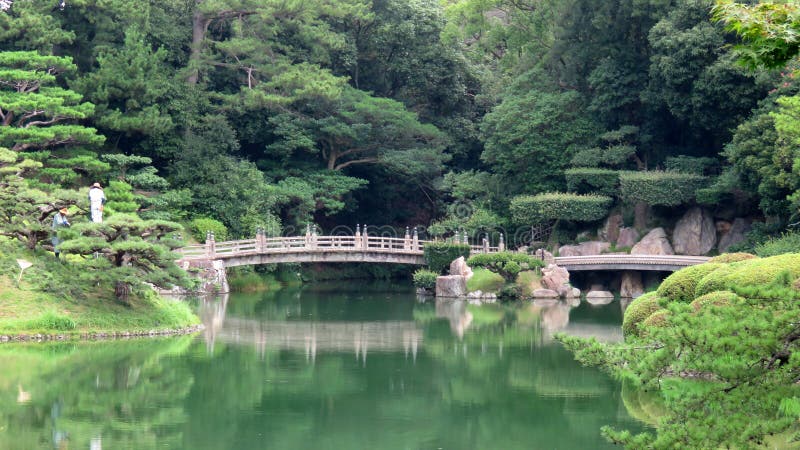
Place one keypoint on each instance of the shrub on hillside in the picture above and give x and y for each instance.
(658, 319)
(588, 179)
(660, 188)
(425, 279)
(439, 255)
(507, 264)
(542, 208)
(716, 298)
(732, 257)
(639, 310)
(202, 225)
(681, 285)
(786, 243)
(751, 273)
(485, 280)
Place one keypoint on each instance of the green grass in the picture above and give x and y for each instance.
(25, 311)
(485, 280)
(528, 281)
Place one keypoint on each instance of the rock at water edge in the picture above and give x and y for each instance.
(451, 286)
(631, 285)
(738, 229)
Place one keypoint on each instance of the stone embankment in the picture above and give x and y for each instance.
(99, 336)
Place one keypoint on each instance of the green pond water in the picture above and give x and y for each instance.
(334, 366)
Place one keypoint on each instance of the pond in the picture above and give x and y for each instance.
(328, 366)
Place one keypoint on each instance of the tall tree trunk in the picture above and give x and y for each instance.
(641, 211)
(199, 27)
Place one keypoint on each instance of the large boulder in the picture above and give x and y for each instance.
(653, 243)
(695, 233)
(599, 297)
(584, 249)
(610, 230)
(451, 286)
(631, 284)
(460, 267)
(545, 256)
(545, 293)
(553, 277)
(738, 229)
(627, 237)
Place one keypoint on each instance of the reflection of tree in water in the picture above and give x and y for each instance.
(111, 395)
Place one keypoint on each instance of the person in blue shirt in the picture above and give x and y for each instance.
(59, 221)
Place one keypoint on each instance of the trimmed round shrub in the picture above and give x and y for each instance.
(656, 320)
(681, 285)
(750, 273)
(639, 310)
(439, 255)
(732, 257)
(542, 208)
(425, 279)
(202, 225)
(716, 298)
(660, 188)
(589, 179)
(714, 281)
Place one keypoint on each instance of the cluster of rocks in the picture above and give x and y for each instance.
(96, 336)
(696, 233)
(555, 284)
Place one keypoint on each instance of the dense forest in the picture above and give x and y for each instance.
(447, 115)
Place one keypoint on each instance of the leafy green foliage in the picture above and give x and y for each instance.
(691, 164)
(120, 198)
(506, 264)
(660, 188)
(786, 243)
(542, 208)
(770, 30)
(592, 180)
(425, 279)
(751, 272)
(200, 226)
(439, 255)
(731, 257)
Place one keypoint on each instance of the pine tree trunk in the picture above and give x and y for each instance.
(122, 291)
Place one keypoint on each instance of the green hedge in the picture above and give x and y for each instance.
(681, 285)
(639, 310)
(601, 181)
(533, 209)
(200, 226)
(507, 264)
(439, 255)
(424, 278)
(691, 164)
(660, 188)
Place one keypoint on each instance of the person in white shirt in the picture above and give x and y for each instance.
(97, 198)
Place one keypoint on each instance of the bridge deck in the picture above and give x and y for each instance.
(379, 249)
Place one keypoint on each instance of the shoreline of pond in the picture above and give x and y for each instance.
(98, 336)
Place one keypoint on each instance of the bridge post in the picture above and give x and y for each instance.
(465, 237)
(313, 236)
(415, 240)
(211, 245)
(501, 246)
(485, 245)
(357, 241)
(261, 240)
(308, 235)
(407, 240)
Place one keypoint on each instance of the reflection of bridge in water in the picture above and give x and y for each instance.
(364, 337)
(307, 336)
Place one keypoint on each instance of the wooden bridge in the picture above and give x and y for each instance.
(359, 247)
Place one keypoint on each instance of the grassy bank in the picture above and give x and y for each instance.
(57, 298)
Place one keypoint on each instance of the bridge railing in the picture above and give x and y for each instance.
(409, 244)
